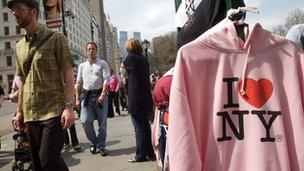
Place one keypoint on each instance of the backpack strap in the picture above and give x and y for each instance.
(34, 51)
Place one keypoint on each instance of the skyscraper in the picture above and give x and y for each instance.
(137, 35)
(123, 37)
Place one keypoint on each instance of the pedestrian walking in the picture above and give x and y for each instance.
(123, 86)
(1, 101)
(1, 96)
(74, 139)
(113, 95)
(140, 99)
(72, 131)
(92, 86)
(45, 101)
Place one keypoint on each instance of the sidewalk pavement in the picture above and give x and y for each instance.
(120, 145)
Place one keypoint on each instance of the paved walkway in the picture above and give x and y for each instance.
(120, 143)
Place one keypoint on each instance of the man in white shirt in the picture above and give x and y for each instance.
(92, 86)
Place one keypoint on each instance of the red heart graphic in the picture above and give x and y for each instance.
(256, 92)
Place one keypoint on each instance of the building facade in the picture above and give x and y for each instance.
(78, 29)
(96, 6)
(81, 27)
(112, 45)
(10, 34)
(117, 57)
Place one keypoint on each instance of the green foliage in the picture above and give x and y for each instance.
(164, 52)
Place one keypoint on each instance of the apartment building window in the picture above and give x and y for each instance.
(5, 16)
(9, 61)
(7, 45)
(4, 3)
(18, 30)
(6, 30)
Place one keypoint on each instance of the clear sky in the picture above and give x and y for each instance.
(156, 17)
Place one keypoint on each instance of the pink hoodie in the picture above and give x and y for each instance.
(213, 127)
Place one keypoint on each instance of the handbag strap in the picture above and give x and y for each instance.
(34, 51)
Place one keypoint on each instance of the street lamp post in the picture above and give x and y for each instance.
(63, 18)
(146, 46)
(65, 13)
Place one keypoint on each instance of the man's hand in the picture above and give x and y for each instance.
(14, 97)
(67, 118)
(18, 121)
(101, 98)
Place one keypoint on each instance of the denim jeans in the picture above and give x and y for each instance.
(89, 113)
(143, 136)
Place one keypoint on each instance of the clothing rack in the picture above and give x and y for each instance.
(237, 16)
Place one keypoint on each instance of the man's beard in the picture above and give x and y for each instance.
(24, 22)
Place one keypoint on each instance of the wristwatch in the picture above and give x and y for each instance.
(70, 104)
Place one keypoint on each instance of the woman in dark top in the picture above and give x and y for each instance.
(140, 99)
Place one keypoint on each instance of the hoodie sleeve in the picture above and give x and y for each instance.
(183, 150)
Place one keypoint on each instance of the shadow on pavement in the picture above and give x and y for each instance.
(6, 157)
(122, 151)
(113, 142)
(67, 154)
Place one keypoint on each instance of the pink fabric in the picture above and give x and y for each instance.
(114, 83)
(16, 84)
(155, 135)
(161, 95)
(208, 112)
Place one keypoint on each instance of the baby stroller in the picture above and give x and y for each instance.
(21, 150)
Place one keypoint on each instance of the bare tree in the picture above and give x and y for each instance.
(294, 17)
(280, 30)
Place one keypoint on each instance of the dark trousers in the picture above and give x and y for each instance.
(46, 139)
(113, 99)
(73, 133)
(143, 136)
(123, 98)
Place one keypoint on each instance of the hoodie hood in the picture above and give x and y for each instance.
(224, 37)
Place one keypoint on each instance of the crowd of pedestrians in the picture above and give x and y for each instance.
(98, 93)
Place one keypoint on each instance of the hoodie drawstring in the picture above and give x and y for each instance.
(243, 92)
